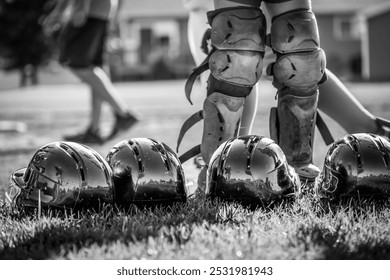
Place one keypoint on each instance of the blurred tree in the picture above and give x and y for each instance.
(23, 44)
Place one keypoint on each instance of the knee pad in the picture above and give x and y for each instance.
(236, 60)
(238, 36)
(222, 116)
(300, 64)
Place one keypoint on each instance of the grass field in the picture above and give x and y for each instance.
(303, 228)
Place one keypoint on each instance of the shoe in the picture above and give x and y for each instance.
(199, 162)
(307, 172)
(87, 137)
(122, 123)
(308, 175)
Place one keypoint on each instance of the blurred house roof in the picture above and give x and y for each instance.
(373, 11)
(344, 6)
(174, 8)
(152, 8)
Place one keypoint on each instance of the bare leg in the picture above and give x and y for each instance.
(218, 4)
(333, 100)
(197, 26)
(249, 112)
(101, 85)
(96, 104)
(277, 9)
(102, 90)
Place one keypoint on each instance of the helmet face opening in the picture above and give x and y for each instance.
(356, 165)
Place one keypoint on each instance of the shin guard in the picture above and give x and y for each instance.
(222, 116)
(299, 68)
(292, 127)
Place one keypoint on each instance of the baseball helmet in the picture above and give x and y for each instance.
(146, 173)
(357, 164)
(62, 175)
(251, 170)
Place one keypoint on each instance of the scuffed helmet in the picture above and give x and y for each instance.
(357, 164)
(62, 175)
(252, 170)
(146, 173)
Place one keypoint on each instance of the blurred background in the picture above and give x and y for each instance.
(149, 40)
(149, 59)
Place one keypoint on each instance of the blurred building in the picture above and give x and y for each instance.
(152, 42)
(375, 41)
(355, 36)
(153, 39)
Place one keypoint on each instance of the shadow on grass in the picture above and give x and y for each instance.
(50, 242)
(338, 233)
(366, 250)
(57, 233)
(340, 244)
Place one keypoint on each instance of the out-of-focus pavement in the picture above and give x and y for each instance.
(60, 105)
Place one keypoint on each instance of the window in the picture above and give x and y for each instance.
(345, 28)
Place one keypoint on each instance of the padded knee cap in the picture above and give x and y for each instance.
(238, 38)
(241, 68)
(300, 71)
(294, 31)
(300, 63)
(238, 28)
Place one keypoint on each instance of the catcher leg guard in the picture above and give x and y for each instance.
(295, 124)
(299, 68)
(222, 116)
(236, 62)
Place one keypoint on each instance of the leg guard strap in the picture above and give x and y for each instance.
(190, 122)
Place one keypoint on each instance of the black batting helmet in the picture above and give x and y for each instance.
(64, 175)
(252, 170)
(146, 172)
(357, 164)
